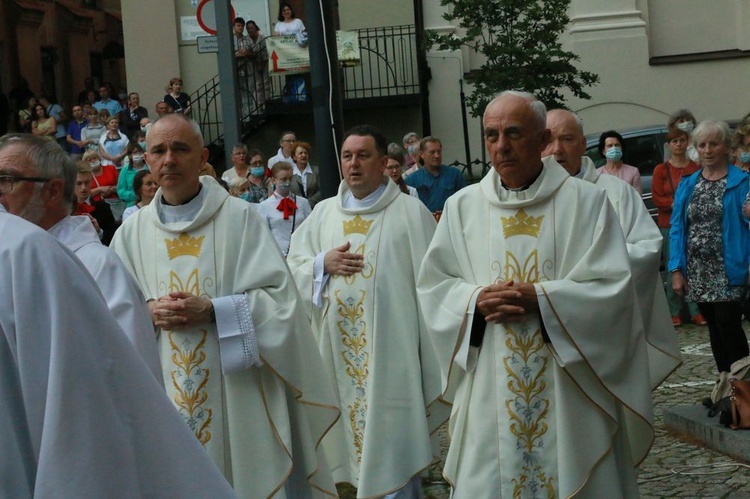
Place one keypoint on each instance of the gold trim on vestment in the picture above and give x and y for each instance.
(606, 388)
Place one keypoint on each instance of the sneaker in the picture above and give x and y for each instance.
(698, 320)
(676, 321)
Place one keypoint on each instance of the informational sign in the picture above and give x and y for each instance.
(207, 44)
(286, 56)
(190, 29)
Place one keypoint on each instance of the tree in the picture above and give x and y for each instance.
(519, 39)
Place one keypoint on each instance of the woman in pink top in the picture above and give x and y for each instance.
(611, 147)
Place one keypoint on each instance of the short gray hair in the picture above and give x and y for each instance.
(409, 136)
(193, 124)
(710, 127)
(537, 106)
(47, 157)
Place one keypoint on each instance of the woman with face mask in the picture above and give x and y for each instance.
(136, 163)
(611, 147)
(283, 210)
(685, 121)
(259, 183)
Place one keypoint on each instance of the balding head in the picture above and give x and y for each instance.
(176, 156)
(567, 144)
(515, 136)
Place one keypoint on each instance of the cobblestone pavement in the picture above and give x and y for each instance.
(698, 472)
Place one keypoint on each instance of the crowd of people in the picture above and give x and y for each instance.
(417, 292)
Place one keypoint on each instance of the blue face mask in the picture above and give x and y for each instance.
(257, 171)
(143, 145)
(613, 153)
(245, 196)
(745, 157)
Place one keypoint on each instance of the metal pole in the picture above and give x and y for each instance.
(465, 124)
(326, 91)
(227, 78)
(425, 75)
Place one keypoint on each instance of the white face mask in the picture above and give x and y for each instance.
(95, 164)
(686, 126)
(138, 158)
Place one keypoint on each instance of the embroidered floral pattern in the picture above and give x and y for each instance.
(356, 356)
(189, 381)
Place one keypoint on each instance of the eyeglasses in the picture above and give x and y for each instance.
(7, 182)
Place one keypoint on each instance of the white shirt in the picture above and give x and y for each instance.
(282, 229)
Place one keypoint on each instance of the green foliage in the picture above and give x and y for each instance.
(519, 39)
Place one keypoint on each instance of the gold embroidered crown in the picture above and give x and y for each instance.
(522, 224)
(357, 225)
(184, 245)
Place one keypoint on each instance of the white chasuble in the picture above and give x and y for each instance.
(571, 417)
(190, 357)
(371, 335)
(643, 241)
(261, 424)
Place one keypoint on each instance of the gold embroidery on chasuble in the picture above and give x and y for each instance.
(526, 395)
(353, 330)
(188, 365)
(189, 381)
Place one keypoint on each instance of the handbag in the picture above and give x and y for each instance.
(740, 398)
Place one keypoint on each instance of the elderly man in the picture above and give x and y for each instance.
(237, 357)
(642, 237)
(529, 300)
(435, 182)
(80, 415)
(46, 200)
(355, 260)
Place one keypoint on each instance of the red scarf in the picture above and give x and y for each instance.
(287, 206)
(84, 208)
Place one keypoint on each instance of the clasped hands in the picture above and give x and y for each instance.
(180, 310)
(507, 302)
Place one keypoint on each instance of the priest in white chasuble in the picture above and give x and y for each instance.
(528, 297)
(356, 260)
(81, 414)
(642, 238)
(238, 359)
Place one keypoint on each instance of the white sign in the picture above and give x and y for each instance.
(190, 29)
(208, 44)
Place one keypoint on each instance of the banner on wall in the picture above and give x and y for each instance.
(286, 56)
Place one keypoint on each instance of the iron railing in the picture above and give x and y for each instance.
(474, 171)
(388, 68)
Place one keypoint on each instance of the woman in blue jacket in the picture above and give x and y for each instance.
(710, 242)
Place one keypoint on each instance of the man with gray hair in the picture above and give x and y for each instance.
(38, 182)
(531, 307)
(238, 359)
(642, 237)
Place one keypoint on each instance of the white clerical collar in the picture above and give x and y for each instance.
(61, 229)
(520, 194)
(182, 213)
(350, 201)
(580, 173)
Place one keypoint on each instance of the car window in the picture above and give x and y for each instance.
(644, 152)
